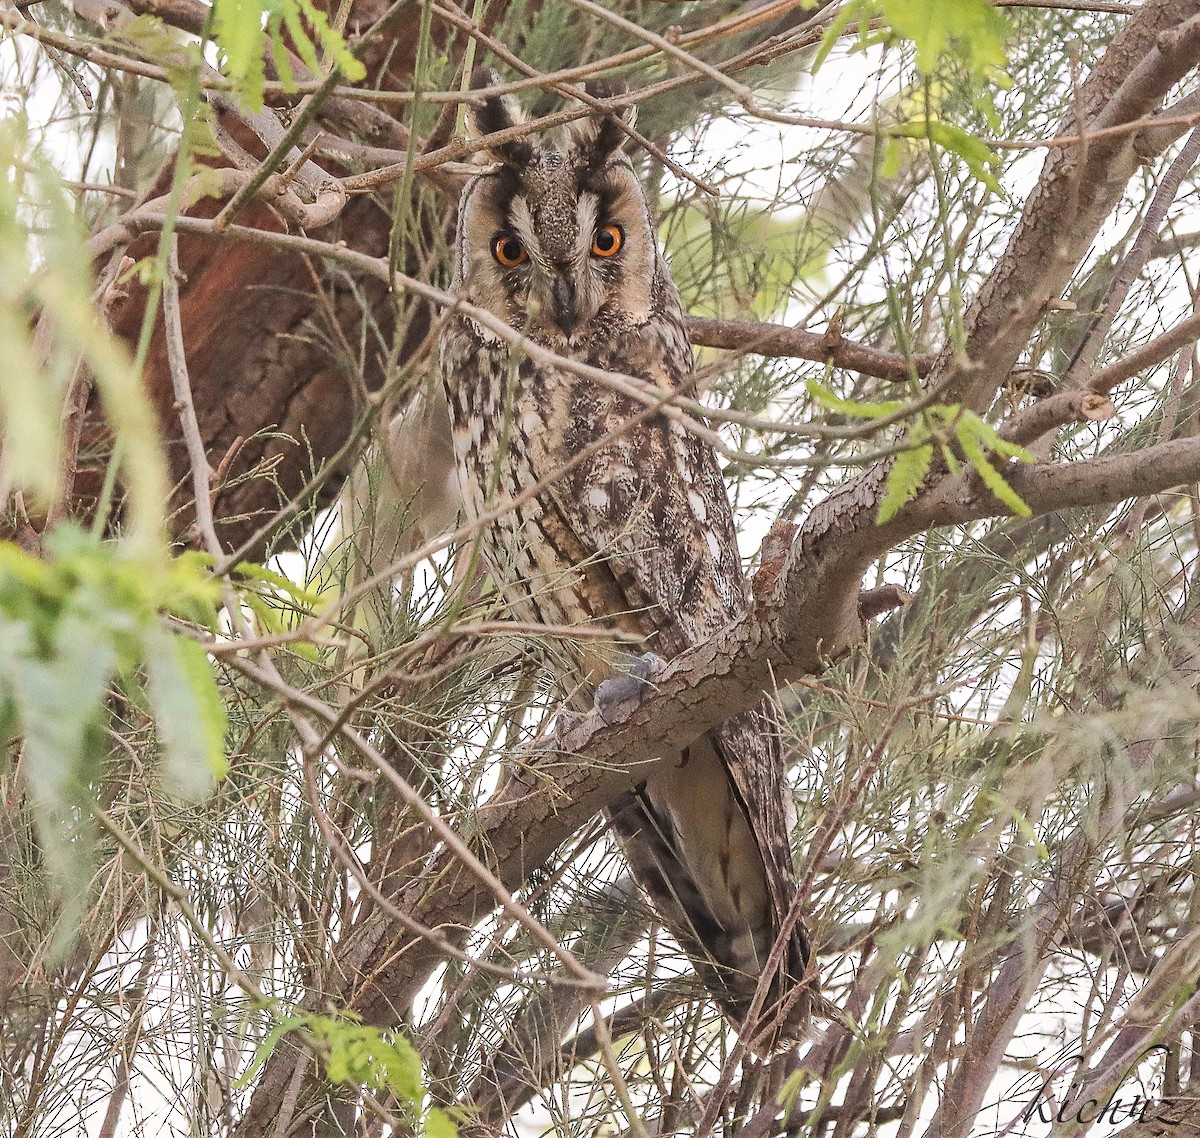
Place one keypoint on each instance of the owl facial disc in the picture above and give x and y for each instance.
(559, 244)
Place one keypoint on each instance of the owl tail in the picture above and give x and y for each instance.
(706, 840)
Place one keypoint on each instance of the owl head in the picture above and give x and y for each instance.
(554, 236)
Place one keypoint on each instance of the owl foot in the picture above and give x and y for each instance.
(617, 697)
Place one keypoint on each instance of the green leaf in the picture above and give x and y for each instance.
(992, 478)
(28, 408)
(304, 598)
(187, 710)
(273, 621)
(189, 592)
(345, 1064)
(987, 436)
(289, 18)
(297, 16)
(1001, 805)
(283, 65)
(835, 403)
(362, 1055)
(268, 618)
(237, 28)
(59, 697)
(904, 480)
(893, 158)
(268, 1045)
(833, 34)
(341, 55)
(68, 624)
(205, 182)
(971, 30)
(65, 290)
(32, 382)
(403, 1070)
(358, 1054)
(21, 573)
(950, 459)
(979, 157)
(57, 284)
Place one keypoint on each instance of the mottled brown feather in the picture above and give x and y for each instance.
(639, 537)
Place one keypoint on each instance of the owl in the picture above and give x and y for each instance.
(555, 238)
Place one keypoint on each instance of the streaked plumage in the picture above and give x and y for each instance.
(555, 238)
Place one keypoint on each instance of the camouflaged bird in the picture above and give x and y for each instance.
(555, 238)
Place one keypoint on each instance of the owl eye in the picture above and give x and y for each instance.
(508, 250)
(607, 241)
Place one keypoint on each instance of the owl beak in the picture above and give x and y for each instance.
(566, 314)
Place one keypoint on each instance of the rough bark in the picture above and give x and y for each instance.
(1178, 1117)
(1078, 189)
(271, 395)
(274, 398)
(807, 605)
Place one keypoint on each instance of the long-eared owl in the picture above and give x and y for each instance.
(555, 238)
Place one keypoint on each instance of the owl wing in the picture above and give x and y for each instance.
(651, 510)
(725, 903)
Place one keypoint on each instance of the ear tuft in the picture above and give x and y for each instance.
(602, 133)
(493, 113)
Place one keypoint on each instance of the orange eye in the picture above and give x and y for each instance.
(508, 250)
(608, 241)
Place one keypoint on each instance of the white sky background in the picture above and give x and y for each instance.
(748, 150)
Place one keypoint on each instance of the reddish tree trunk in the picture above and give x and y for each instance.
(273, 399)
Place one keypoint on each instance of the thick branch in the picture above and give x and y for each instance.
(810, 618)
(277, 375)
(1049, 487)
(1079, 187)
(1177, 1117)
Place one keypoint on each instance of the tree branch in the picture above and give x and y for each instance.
(811, 619)
(1079, 187)
(778, 340)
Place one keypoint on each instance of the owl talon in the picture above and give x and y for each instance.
(619, 696)
(648, 666)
